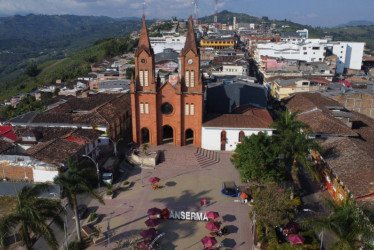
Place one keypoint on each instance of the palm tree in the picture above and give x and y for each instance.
(348, 222)
(30, 218)
(78, 180)
(293, 142)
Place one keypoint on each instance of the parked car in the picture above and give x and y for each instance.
(82, 209)
(229, 188)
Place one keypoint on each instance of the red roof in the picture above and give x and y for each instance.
(7, 132)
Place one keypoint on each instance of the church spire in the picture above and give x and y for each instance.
(190, 39)
(144, 43)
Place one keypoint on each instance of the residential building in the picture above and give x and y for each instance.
(281, 88)
(159, 44)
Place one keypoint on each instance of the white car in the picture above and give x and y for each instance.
(108, 178)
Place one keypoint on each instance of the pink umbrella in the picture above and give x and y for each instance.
(212, 226)
(208, 241)
(296, 239)
(150, 233)
(154, 211)
(154, 179)
(152, 222)
(212, 215)
(143, 245)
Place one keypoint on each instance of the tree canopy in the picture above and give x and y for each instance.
(257, 159)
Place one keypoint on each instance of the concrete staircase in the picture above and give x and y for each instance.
(205, 157)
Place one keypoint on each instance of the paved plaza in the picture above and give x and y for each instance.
(184, 183)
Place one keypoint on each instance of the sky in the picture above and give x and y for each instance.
(324, 13)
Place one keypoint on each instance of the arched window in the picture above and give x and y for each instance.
(241, 136)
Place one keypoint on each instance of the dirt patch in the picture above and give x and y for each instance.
(8, 204)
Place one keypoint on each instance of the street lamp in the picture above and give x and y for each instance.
(108, 226)
(115, 145)
(97, 169)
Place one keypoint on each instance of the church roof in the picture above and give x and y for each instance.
(190, 44)
(144, 43)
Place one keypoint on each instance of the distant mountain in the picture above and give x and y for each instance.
(45, 37)
(356, 23)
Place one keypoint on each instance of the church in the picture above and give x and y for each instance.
(172, 112)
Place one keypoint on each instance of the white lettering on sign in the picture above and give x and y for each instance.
(182, 215)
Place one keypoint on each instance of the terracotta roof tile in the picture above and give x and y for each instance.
(56, 151)
(5, 145)
(354, 166)
(307, 101)
(250, 120)
(322, 123)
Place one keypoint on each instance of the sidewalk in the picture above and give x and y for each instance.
(184, 183)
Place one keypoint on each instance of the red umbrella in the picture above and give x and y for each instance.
(154, 179)
(154, 211)
(212, 215)
(296, 239)
(143, 245)
(212, 226)
(150, 233)
(165, 213)
(208, 241)
(152, 222)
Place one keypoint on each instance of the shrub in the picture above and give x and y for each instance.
(109, 192)
(75, 245)
(126, 183)
(92, 217)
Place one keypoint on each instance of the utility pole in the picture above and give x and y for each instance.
(195, 17)
(215, 12)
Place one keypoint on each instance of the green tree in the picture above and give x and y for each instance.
(353, 228)
(257, 159)
(273, 207)
(293, 143)
(32, 70)
(31, 216)
(78, 180)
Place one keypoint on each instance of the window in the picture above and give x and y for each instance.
(192, 78)
(141, 108)
(187, 109)
(305, 53)
(241, 136)
(192, 109)
(305, 83)
(146, 108)
(315, 48)
(141, 77)
(146, 77)
(187, 78)
(304, 48)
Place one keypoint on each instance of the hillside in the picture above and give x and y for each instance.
(76, 64)
(41, 38)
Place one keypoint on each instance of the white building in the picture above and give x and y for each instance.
(314, 50)
(304, 52)
(224, 132)
(160, 43)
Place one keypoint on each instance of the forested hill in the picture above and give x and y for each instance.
(40, 38)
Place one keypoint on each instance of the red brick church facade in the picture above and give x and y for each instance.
(171, 112)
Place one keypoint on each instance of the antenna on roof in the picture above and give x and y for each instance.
(144, 3)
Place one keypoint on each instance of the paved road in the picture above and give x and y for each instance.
(9, 189)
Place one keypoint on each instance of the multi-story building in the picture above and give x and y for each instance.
(219, 43)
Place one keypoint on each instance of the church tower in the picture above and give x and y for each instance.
(171, 113)
(143, 91)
